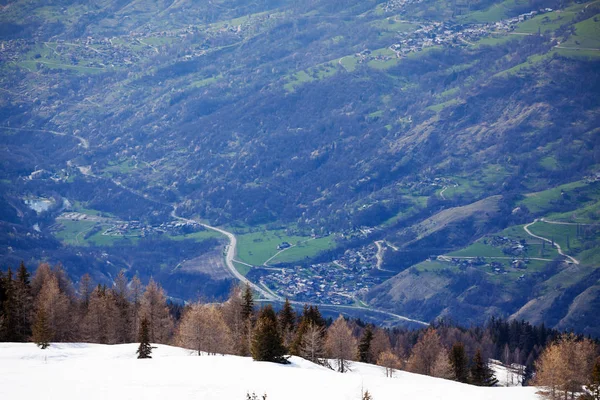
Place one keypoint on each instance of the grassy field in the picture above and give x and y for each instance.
(547, 22)
(589, 214)
(587, 34)
(478, 249)
(257, 247)
(198, 236)
(564, 235)
(72, 232)
(305, 250)
(542, 201)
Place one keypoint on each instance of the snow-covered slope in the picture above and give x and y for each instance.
(90, 371)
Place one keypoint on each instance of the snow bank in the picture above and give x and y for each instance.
(90, 371)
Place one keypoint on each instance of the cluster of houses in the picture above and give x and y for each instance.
(495, 267)
(452, 34)
(133, 228)
(338, 282)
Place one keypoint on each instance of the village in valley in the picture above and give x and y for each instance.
(340, 282)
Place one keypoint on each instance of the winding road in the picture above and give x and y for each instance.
(526, 228)
(229, 255)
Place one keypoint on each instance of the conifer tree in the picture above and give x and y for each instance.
(23, 304)
(248, 302)
(364, 346)
(9, 322)
(481, 373)
(42, 333)
(459, 362)
(310, 316)
(287, 323)
(145, 348)
(267, 344)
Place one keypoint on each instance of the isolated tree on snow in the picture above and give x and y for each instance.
(481, 373)
(390, 362)
(459, 363)
(145, 348)
(313, 344)
(203, 329)
(340, 344)
(41, 329)
(267, 344)
(364, 346)
(367, 396)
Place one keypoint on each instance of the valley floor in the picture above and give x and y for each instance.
(91, 371)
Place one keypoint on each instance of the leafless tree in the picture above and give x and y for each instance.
(425, 353)
(312, 347)
(340, 344)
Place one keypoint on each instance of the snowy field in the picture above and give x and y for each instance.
(90, 371)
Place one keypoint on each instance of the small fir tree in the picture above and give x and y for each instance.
(267, 344)
(145, 349)
(459, 362)
(481, 374)
(41, 329)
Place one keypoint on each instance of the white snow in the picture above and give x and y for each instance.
(90, 371)
(507, 376)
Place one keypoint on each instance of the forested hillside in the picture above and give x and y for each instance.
(373, 151)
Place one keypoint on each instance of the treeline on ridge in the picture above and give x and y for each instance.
(47, 308)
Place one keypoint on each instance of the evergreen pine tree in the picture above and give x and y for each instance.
(41, 329)
(310, 316)
(248, 302)
(23, 304)
(267, 344)
(145, 349)
(459, 361)
(481, 374)
(287, 323)
(9, 318)
(364, 346)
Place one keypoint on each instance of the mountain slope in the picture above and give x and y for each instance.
(68, 370)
